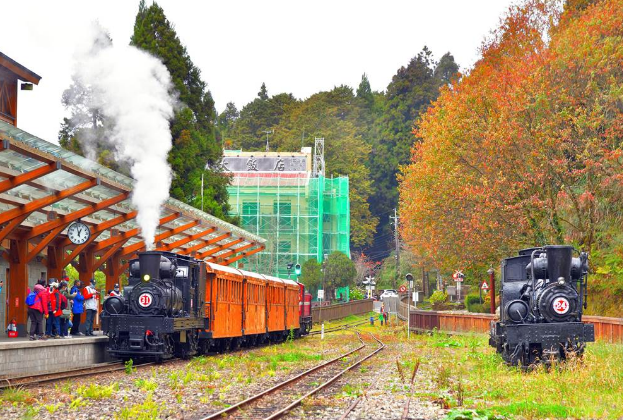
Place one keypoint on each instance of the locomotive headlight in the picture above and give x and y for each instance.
(561, 281)
(146, 277)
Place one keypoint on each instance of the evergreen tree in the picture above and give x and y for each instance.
(258, 116)
(408, 95)
(263, 93)
(364, 91)
(195, 146)
(446, 69)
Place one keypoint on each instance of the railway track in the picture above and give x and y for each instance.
(31, 380)
(283, 397)
(339, 327)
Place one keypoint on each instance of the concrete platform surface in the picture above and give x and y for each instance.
(20, 356)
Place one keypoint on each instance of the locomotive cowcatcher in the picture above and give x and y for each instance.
(175, 305)
(542, 296)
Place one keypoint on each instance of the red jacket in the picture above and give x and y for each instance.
(55, 303)
(42, 299)
(86, 294)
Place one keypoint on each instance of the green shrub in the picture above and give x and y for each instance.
(356, 294)
(438, 298)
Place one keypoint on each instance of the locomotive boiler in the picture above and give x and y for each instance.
(542, 296)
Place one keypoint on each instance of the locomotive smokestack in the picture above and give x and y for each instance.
(149, 265)
(559, 261)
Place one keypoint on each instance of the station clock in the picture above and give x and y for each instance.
(78, 233)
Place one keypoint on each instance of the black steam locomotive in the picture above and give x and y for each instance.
(542, 296)
(160, 311)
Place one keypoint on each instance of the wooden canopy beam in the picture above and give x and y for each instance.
(129, 250)
(190, 249)
(96, 232)
(47, 158)
(109, 253)
(10, 227)
(63, 220)
(16, 180)
(130, 233)
(44, 242)
(232, 252)
(178, 243)
(34, 205)
(100, 227)
(219, 248)
(244, 254)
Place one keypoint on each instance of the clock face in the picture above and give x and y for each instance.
(78, 233)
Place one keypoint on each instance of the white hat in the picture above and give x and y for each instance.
(54, 285)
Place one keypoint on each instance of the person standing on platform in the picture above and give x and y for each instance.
(77, 308)
(90, 304)
(115, 291)
(65, 309)
(54, 311)
(37, 312)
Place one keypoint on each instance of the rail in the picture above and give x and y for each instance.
(342, 310)
(606, 329)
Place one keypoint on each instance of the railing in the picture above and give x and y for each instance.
(342, 310)
(606, 329)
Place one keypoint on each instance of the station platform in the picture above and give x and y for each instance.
(20, 356)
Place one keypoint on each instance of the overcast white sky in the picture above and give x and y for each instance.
(292, 46)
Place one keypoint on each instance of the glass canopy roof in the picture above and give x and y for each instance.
(26, 153)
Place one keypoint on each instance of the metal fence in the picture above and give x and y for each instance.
(606, 329)
(342, 310)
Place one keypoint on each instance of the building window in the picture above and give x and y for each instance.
(250, 211)
(285, 214)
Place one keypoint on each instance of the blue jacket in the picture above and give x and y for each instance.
(78, 307)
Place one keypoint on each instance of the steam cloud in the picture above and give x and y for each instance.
(133, 90)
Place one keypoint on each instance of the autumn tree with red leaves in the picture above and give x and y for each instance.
(525, 149)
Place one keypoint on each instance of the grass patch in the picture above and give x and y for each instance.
(147, 410)
(466, 370)
(97, 392)
(16, 395)
(145, 385)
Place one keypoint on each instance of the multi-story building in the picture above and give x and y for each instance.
(302, 214)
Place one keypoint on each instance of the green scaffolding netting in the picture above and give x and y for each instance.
(300, 216)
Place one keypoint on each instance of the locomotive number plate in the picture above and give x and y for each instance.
(561, 306)
(145, 299)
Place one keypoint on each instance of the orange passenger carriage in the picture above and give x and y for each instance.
(196, 307)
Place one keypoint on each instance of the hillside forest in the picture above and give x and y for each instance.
(522, 149)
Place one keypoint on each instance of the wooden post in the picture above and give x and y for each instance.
(113, 271)
(86, 261)
(55, 260)
(17, 284)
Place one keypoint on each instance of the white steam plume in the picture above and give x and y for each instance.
(133, 90)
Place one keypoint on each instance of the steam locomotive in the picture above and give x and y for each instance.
(177, 306)
(543, 293)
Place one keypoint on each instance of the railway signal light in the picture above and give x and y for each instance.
(297, 269)
(409, 278)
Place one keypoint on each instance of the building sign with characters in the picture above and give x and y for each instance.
(265, 163)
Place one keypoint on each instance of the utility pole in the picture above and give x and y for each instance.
(397, 239)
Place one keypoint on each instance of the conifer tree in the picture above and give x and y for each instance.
(195, 146)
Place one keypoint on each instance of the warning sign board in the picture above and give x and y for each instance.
(484, 286)
(402, 289)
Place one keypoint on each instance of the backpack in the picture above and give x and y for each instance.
(30, 299)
